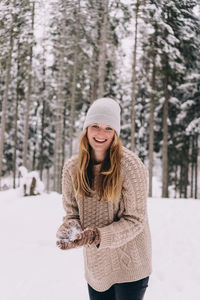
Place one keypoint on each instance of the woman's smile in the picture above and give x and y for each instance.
(100, 141)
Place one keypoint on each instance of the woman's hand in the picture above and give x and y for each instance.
(69, 230)
(87, 237)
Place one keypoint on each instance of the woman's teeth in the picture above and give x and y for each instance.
(99, 141)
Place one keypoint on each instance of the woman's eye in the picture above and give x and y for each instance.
(94, 126)
(108, 128)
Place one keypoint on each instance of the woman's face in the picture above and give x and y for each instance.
(100, 136)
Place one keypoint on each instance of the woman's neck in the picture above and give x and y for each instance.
(98, 157)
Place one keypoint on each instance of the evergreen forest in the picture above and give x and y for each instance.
(58, 56)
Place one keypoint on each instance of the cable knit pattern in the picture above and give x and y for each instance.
(125, 250)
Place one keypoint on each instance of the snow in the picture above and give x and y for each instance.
(32, 267)
(69, 234)
(74, 234)
(194, 126)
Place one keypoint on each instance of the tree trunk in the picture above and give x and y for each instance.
(59, 113)
(74, 79)
(16, 123)
(48, 180)
(186, 169)
(102, 54)
(180, 182)
(28, 99)
(95, 59)
(151, 117)
(133, 114)
(72, 114)
(64, 133)
(41, 159)
(196, 165)
(94, 77)
(5, 100)
(35, 142)
(74, 83)
(191, 166)
(165, 142)
(176, 180)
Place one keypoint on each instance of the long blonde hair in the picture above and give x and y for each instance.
(109, 186)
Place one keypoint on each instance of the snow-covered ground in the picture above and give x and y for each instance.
(33, 268)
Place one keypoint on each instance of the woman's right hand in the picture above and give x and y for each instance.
(88, 237)
(69, 230)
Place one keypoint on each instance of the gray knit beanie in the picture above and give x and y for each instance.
(105, 111)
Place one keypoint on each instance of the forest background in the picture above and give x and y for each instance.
(57, 57)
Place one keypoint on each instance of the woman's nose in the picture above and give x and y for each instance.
(101, 131)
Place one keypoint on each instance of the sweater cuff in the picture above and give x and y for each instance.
(105, 238)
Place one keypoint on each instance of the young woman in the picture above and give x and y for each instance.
(105, 199)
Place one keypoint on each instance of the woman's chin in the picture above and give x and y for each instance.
(102, 147)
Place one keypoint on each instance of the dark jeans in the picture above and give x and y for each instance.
(121, 291)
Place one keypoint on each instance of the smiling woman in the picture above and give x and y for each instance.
(100, 137)
(105, 197)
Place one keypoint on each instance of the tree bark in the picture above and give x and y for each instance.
(74, 83)
(59, 112)
(180, 182)
(48, 180)
(186, 168)
(94, 77)
(102, 55)
(41, 159)
(64, 133)
(133, 113)
(5, 100)
(16, 123)
(74, 78)
(196, 164)
(35, 142)
(151, 117)
(165, 141)
(28, 99)
(176, 180)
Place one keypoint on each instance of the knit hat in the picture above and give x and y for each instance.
(105, 111)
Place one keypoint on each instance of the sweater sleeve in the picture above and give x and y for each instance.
(68, 196)
(134, 216)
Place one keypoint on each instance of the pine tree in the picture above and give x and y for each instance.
(29, 91)
(167, 23)
(8, 21)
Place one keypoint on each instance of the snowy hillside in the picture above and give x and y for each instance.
(33, 268)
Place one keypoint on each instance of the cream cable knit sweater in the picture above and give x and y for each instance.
(124, 253)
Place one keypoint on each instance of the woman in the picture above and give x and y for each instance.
(105, 199)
